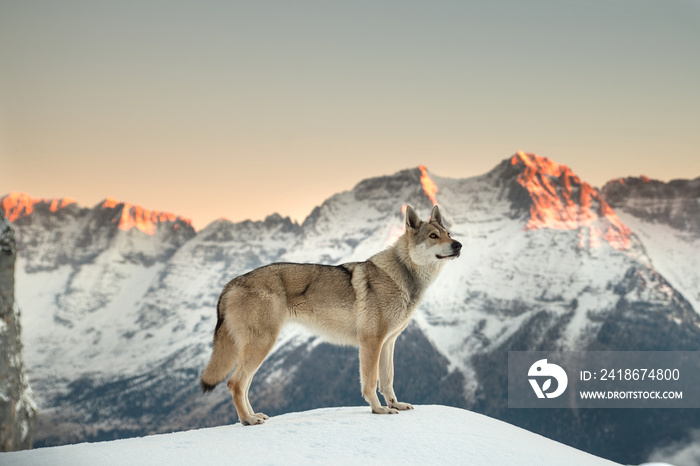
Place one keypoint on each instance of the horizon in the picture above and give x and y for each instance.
(240, 110)
(430, 189)
(425, 177)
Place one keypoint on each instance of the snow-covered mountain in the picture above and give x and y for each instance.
(119, 302)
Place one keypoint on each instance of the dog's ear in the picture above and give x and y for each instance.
(436, 216)
(412, 220)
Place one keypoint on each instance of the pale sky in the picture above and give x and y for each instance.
(241, 109)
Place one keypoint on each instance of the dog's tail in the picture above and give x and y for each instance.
(224, 354)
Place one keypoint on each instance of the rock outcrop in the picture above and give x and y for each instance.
(17, 408)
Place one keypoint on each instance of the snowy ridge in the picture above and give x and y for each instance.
(145, 220)
(55, 232)
(18, 205)
(427, 435)
(676, 203)
(666, 219)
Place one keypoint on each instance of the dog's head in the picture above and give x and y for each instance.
(429, 242)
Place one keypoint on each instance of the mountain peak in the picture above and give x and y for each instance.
(561, 201)
(144, 220)
(17, 204)
(530, 165)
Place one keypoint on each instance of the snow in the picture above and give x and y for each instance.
(673, 253)
(100, 309)
(426, 435)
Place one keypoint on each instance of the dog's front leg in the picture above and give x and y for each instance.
(386, 376)
(370, 349)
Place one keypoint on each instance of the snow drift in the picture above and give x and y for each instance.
(426, 435)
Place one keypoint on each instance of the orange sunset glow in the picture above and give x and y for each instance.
(429, 186)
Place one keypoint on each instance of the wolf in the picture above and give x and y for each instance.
(365, 304)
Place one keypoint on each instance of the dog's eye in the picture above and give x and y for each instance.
(433, 236)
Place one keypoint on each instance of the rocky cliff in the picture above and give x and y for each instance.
(17, 408)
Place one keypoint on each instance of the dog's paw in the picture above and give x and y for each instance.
(400, 406)
(253, 420)
(264, 417)
(383, 410)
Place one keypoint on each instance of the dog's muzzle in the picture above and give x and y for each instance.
(456, 249)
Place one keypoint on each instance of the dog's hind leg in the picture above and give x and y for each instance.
(251, 357)
(369, 365)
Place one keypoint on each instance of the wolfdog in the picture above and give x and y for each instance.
(366, 304)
